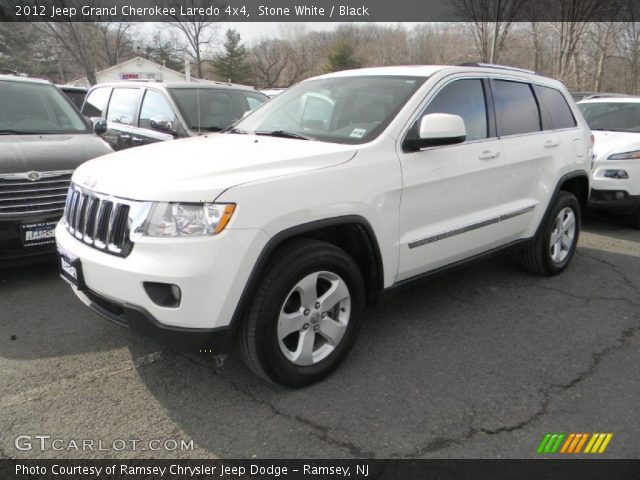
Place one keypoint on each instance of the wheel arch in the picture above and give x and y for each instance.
(577, 183)
(350, 232)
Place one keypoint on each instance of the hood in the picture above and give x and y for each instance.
(43, 153)
(607, 143)
(199, 169)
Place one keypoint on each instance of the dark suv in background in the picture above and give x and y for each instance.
(43, 139)
(139, 113)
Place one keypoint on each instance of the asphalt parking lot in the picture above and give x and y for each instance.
(478, 363)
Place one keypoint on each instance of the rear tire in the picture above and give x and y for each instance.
(305, 315)
(551, 250)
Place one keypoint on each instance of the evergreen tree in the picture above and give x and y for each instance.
(341, 56)
(232, 65)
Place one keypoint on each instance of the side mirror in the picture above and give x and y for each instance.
(162, 124)
(438, 129)
(99, 125)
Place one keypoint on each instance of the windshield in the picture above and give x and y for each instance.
(35, 108)
(350, 110)
(214, 109)
(612, 116)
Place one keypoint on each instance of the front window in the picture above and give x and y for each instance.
(351, 110)
(33, 108)
(213, 110)
(612, 116)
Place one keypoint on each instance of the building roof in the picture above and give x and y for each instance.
(134, 60)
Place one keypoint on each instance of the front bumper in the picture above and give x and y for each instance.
(211, 273)
(196, 340)
(619, 195)
(617, 201)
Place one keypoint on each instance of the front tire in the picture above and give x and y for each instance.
(553, 247)
(305, 314)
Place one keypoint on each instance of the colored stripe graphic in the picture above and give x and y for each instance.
(573, 443)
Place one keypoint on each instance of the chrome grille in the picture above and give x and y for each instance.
(34, 192)
(98, 220)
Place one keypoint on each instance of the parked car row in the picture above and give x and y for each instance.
(44, 138)
(275, 233)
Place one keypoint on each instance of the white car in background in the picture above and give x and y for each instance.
(615, 123)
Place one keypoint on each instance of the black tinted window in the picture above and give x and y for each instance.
(96, 102)
(555, 111)
(464, 98)
(516, 108)
(212, 109)
(123, 104)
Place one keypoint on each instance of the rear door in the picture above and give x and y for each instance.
(532, 156)
(450, 198)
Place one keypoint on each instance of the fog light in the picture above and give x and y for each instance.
(619, 195)
(617, 174)
(163, 294)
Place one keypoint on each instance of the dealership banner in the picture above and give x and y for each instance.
(318, 469)
(318, 10)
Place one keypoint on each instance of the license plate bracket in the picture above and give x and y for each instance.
(71, 270)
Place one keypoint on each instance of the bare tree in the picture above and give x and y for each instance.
(117, 41)
(77, 39)
(491, 21)
(269, 60)
(199, 29)
(628, 46)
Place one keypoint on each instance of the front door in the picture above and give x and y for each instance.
(451, 194)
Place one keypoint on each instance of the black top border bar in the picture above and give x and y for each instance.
(320, 10)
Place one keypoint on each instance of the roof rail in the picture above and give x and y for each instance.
(493, 65)
(604, 95)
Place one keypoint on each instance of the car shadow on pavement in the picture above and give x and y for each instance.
(470, 353)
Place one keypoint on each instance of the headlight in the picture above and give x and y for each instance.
(187, 219)
(625, 155)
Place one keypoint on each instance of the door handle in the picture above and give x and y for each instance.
(489, 155)
(551, 143)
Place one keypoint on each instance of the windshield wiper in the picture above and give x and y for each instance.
(284, 134)
(207, 129)
(237, 131)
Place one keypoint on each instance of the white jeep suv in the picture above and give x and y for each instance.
(278, 232)
(615, 123)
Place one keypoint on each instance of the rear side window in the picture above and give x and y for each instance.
(555, 110)
(96, 103)
(123, 104)
(516, 108)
